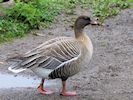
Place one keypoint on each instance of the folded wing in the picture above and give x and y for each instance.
(50, 55)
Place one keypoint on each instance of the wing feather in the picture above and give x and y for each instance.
(52, 54)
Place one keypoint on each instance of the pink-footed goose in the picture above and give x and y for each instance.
(60, 57)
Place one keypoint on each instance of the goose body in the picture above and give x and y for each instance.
(61, 57)
(51, 59)
(62, 62)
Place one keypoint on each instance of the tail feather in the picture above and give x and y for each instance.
(16, 70)
(16, 66)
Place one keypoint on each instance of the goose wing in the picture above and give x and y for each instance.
(50, 55)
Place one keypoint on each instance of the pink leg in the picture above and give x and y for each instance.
(42, 90)
(66, 93)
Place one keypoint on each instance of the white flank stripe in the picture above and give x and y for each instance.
(73, 59)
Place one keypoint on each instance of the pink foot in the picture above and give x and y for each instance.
(68, 93)
(42, 91)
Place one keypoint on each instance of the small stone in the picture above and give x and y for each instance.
(107, 25)
(15, 75)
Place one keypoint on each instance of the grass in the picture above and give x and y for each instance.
(30, 14)
(10, 29)
(106, 8)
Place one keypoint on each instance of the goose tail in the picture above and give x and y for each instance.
(16, 65)
(16, 70)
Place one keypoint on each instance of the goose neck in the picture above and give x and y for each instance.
(79, 33)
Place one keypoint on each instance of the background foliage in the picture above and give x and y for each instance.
(29, 14)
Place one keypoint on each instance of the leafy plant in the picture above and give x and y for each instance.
(25, 13)
(10, 29)
(106, 8)
(29, 14)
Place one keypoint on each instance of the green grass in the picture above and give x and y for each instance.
(31, 14)
(11, 29)
(106, 8)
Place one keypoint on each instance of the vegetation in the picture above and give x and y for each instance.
(106, 8)
(29, 14)
(10, 29)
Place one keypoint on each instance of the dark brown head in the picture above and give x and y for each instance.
(81, 22)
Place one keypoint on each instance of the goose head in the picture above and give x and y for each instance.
(80, 23)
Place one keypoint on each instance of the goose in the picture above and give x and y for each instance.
(61, 57)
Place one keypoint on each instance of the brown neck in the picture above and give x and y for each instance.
(78, 32)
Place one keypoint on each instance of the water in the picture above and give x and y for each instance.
(10, 81)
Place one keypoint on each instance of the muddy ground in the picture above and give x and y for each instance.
(111, 77)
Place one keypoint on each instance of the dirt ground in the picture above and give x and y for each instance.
(109, 75)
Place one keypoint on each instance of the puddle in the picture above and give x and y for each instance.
(10, 81)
